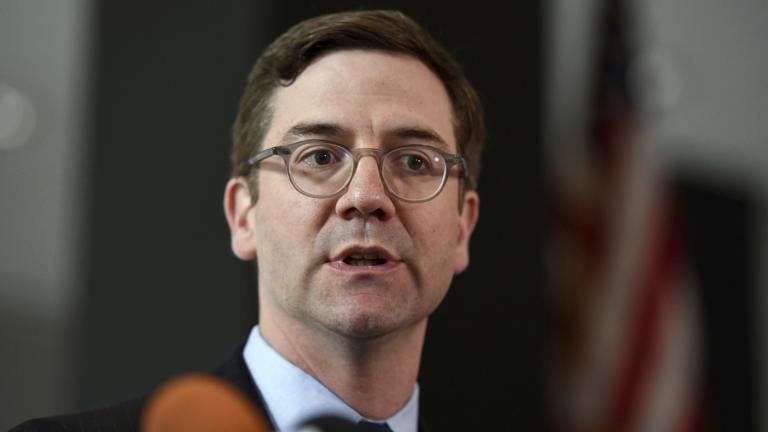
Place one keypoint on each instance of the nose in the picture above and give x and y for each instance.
(366, 195)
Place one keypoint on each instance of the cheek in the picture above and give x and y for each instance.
(287, 224)
(284, 246)
(435, 232)
(280, 205)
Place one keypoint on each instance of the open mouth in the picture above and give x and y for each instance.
(364, 260)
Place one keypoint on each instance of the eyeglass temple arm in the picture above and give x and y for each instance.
(272, 151)
(457, 160)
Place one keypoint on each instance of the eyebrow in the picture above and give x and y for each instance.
(302, 130)
(336, 131)
(421, 134)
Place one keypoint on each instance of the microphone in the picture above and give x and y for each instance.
(201, 403)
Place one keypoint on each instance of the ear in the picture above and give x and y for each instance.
(470, 211)
(237, 208)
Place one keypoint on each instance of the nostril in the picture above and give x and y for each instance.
(365, 202)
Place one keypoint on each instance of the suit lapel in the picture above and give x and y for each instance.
(236, 372)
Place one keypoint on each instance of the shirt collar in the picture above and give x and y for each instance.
(293, 396)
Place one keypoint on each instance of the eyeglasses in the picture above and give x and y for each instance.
(322, 169)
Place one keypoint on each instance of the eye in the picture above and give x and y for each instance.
(414, 162)
(319, 156)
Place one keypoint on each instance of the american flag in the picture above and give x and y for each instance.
(627, 342)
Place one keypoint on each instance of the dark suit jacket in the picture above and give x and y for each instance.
(126, 416)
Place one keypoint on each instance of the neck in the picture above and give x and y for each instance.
(375, 376)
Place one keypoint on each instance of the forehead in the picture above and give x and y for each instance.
(369, 93)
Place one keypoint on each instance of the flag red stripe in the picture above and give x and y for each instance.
(663, 260)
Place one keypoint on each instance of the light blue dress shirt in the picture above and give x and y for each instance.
(293, 396)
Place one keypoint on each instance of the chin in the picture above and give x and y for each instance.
(366, 326)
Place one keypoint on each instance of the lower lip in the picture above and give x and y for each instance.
(381, 268)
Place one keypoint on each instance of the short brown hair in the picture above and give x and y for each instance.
(287, 57)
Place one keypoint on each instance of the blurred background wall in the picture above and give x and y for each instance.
(115, 267)
(44, 76)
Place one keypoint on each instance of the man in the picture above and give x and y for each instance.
(355, 161)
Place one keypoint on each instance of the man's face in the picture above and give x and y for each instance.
(306, 247)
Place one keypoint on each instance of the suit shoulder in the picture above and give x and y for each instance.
(40, 425)
(122, 417)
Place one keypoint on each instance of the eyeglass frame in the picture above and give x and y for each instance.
(285, 151)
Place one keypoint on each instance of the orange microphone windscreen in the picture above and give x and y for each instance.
(201, 403)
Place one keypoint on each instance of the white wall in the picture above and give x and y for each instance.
(716, 66)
